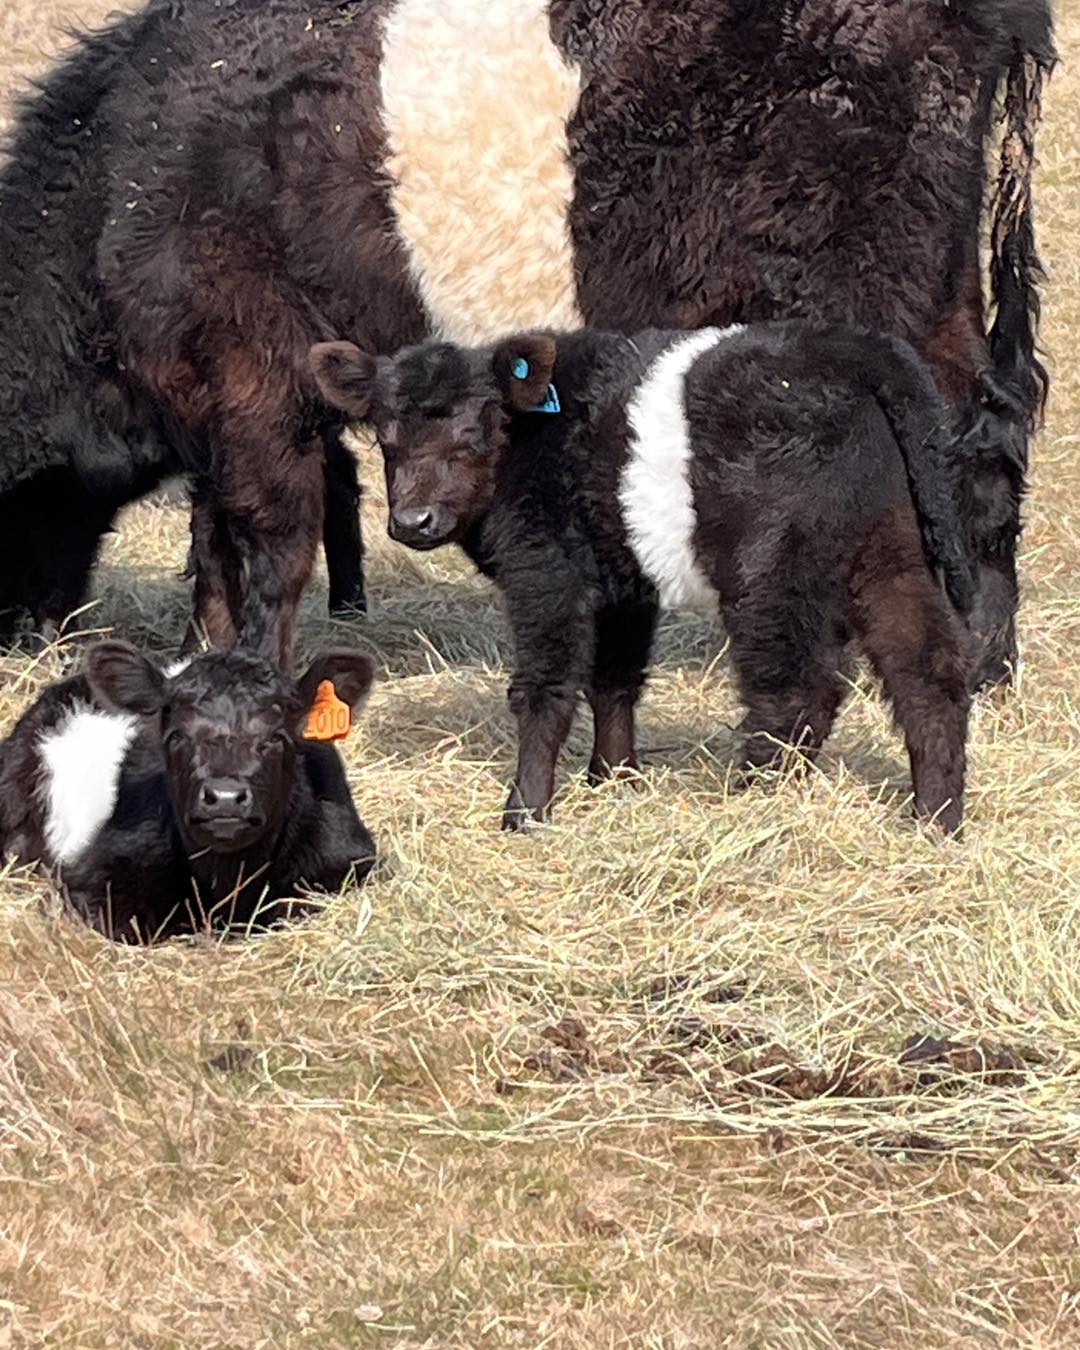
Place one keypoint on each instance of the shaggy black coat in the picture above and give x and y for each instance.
(182, 216)
(152, 870)
(826, 488)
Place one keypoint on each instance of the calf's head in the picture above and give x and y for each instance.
(441, 415)
(231, 726)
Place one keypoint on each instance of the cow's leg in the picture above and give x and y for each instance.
(553, 640)
(624, 635)
(919, 649)
(51, 529)
(343, 541)
(216, 567)
(64, 576)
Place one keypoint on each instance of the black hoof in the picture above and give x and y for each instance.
(347, 610)
(519, 818)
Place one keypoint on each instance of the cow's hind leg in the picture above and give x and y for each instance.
(51, 529)
(918, 647)
(343, 541)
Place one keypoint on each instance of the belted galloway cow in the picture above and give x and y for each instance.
(200, 192)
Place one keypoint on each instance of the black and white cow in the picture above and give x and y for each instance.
(807, 477)
(204, 190)
(170, 800)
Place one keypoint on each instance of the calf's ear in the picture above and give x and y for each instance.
(351, 673)
(123, 679)
(345, 376)
(524, 365)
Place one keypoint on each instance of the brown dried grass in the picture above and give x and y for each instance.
(636, 1081)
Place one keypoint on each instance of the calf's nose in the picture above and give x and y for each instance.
(420, 525)
(224, 797)
(414, 517)
(411, 522)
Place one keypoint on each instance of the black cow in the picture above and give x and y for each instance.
(806, 476)
(205, 189)
(171, 800)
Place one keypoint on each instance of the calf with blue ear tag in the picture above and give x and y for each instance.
(207, 794)
(441, 415)
(804, 478)
(550, 402)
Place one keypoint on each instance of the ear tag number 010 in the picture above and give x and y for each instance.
(330, 719)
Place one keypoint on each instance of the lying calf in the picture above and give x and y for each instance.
(800, 474)
(170, 800)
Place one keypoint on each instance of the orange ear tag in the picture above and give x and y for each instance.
(330, 719)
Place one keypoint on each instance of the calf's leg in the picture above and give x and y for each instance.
(343, 541)
(553, 640)
(273, 499)
(216, 567)
(624, 636)
(788, 651)
(799, 716)
(919, 648)
(279, 567)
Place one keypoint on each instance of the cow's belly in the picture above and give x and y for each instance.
(476, 99)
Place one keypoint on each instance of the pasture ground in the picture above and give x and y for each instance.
(635, 1082)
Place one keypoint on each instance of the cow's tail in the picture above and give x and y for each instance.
(1016, 383)
(927, 431)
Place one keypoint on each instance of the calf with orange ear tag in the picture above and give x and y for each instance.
(210, 793)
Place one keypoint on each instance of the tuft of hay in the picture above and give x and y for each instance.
(684, 1069)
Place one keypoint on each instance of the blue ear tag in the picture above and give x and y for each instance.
(550, 404)
(519, 368)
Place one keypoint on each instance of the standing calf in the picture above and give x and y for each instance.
(806, 476)
(169, 800)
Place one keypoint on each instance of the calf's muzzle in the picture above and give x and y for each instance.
(225, 814)
(422, 527)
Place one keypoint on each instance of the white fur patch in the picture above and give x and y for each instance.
(654, 492)
(81, 759)
(476, 98)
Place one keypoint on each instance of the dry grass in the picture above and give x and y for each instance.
(635, 1082)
